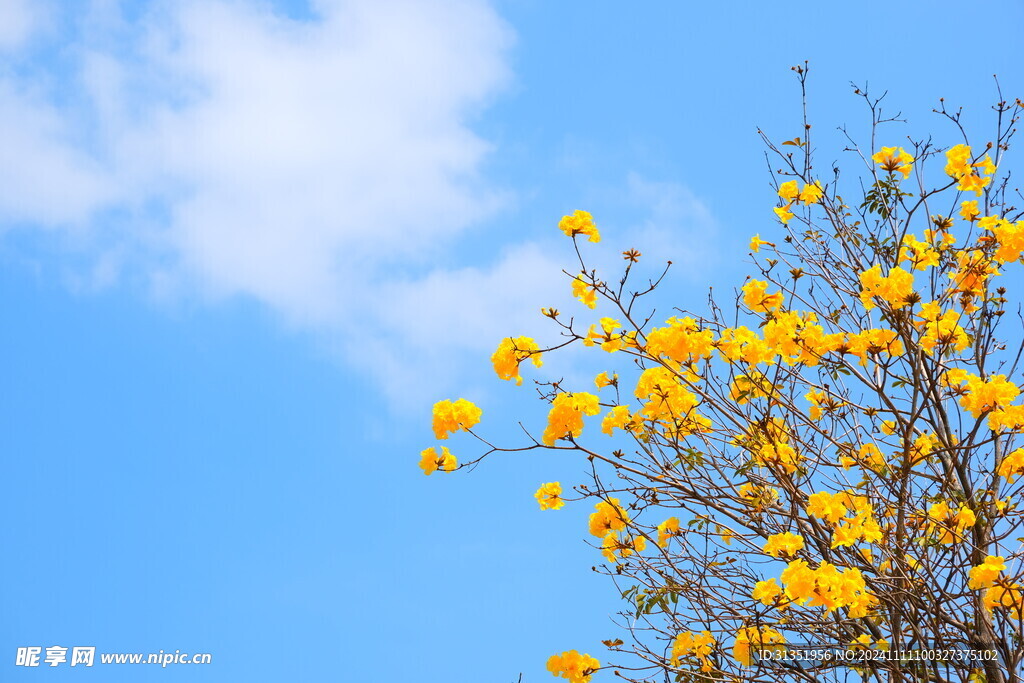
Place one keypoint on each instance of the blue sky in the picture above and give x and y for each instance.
(244, 246)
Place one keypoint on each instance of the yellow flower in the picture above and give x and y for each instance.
(767, 591)
(811, 194)
(451, 417)
(973, 183)
(550, 496)
(765, 638)
(584, 292)
(871, 458)
(789, 190)
(941, 329)
(894, 160)
(573, 666)
(618, 418)
(609, 340)
(984, 396)
(950, 526)
(893, 288)
(756, 297)
(756, 242)
(958, 161)
(430, 461)
(511, 352)
(666, 530)
(1012, 466)
(920, 254)
(609, 517)
(580, 223)
(985, 165)
(682, 340)
(986, 573)
(700, 645)
(1007, 597)
(758, 497)
(612, 547)
(784, 213)
(565, 419)
(604, 380)
(784, 544)
(824, 505)
(969, 210)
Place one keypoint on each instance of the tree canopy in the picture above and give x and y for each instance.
(821, 476)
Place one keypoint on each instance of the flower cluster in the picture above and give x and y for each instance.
(844, 425)
(511, 352)
(550, 496)
(894, 160)
(752, 640)
(431, 461)
(948, 525)
(565, 419)
(961, 166)
(573, 666)
(786, 544)
(580, 223)
(699, 646)
(451, 417)
(790, 192)
(894, 288)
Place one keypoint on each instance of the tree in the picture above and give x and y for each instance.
(820, 478)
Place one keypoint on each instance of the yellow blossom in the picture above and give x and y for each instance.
(610, 516)
(784, 213)
(617, 418)
(948, 525)
(789, 190)
(756, 242)
(894, 160)
(550, 496)
(1006, 597)
(958, 161)
(1012, 466)
(751, 640)
(580, 223)
(666, 530)
(565, 419)
(811, 194)
(787, 544)
(758, 497)
(894, 288)
(573, 666)
(756, 297)
(431, 461)
(451, 417)
(613, 548)
(969, 210)
(985, 574)
(983, 396)
(700, 645)
(511, 352)
(767, 591)
(824, 505)
(584, 292)
(681, 340)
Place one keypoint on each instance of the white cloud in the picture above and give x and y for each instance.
(323, 166)
(19, 19)
(288, 159)
(679, 227)
(44, 178)
(427, 333)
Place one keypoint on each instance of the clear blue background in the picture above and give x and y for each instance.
(205, 477)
